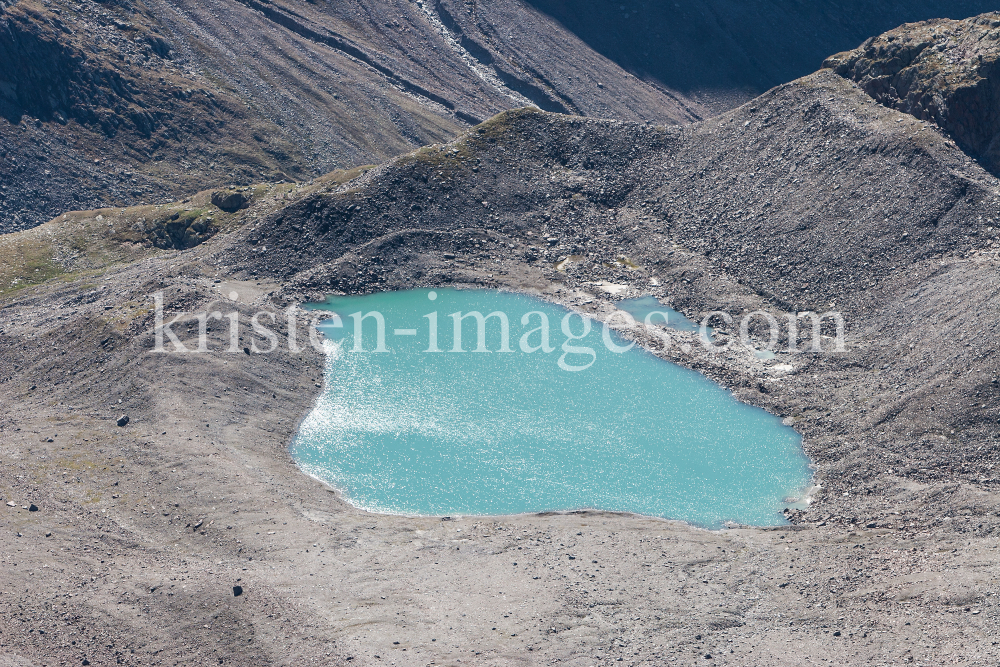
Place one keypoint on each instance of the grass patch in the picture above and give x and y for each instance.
(441, 157)
(81, 244)
(500, 126)
(25, 264)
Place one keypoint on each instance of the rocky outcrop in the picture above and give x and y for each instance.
(230, 201)
(947, 72)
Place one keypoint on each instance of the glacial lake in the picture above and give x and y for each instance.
(567, 423)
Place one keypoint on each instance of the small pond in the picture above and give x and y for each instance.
(435, 411)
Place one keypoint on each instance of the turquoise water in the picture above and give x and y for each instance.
(495, 432)
(649, 306)
(648, 310)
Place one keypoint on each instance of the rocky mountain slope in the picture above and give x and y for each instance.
(96, 112)
(114, 103)
(941, 71)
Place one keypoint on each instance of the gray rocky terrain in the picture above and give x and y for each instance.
(188, 536)
(943, 71)
(127, 102)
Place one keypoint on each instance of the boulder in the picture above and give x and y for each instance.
(230, 201)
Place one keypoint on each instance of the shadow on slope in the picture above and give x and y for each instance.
(724, 52)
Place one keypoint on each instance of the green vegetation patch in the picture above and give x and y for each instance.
(25, 263)
(82, 244)
(503, 124)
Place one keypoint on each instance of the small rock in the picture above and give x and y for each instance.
(11, 503)
(123, 420)
(32, 507)
(237, 591)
